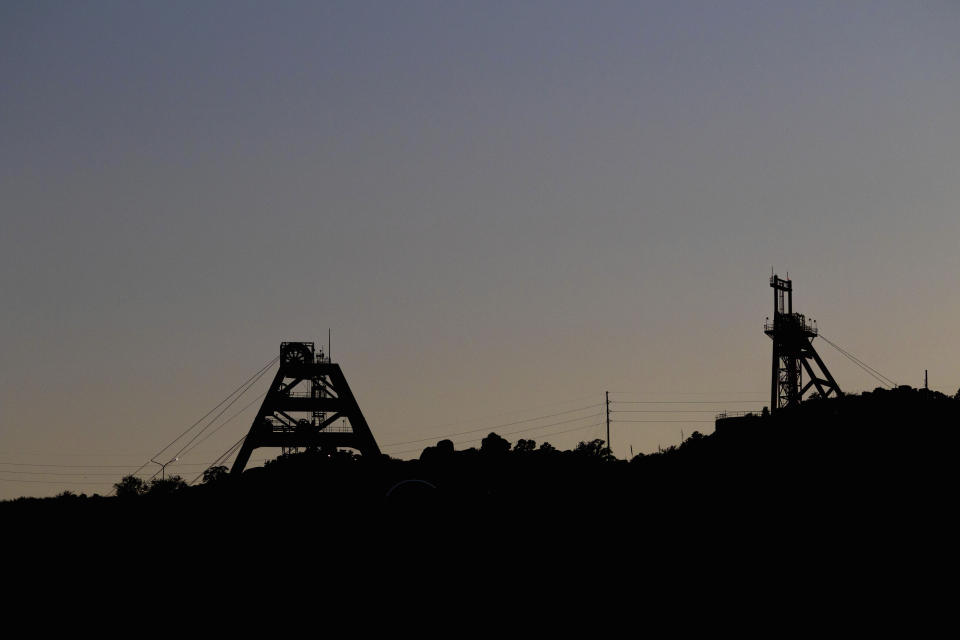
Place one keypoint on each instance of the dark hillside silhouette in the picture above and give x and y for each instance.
(873, 469)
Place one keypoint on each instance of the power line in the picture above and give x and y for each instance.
(665, 421)
(859, 362)
(556, 433)
(222, 459)
(542, 426)
(884, 380)
(876, 375)
(596, 424)
(138, 456)
(243, 388)
(60, 482)
(506, 413)
(83, 474)
(728, 401)
(70, 466)
(690, 393)
(666, 410)
(190, 428)
(74, 466)
(222, 411)
(229, 452)
(227, 421)
(496, 426)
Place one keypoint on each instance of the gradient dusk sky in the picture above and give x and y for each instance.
(501, 209)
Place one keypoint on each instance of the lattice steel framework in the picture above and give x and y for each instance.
(793, 352)
(309, 405)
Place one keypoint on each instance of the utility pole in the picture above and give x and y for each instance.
(610, 448)
(926, 386)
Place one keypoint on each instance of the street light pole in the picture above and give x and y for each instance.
(163, 467)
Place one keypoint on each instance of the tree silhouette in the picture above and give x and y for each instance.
(525, 445)
(166, 486)
(443, 451)
(130, 487)
(494, 445)
(445, 447)
(593, 449)
(215, 474)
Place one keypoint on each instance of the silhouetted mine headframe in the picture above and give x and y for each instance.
(309, 405)
(793, 352)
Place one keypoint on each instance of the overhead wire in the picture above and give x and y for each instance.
(229, 452)
(496, 426)
(863, 365)
(225, 422)
(222, 411)
(59, 482)
(138, 456)
(199, 438)
(663, 421)
(87, 466)
(69, 466)
(524, 430)
(552, 433)
(687, 401)
(860, 363)
(242, 386)
(665, 410)
(492, 428)
(507, 413)
(82, 474)
(223, 458)
(688, 393)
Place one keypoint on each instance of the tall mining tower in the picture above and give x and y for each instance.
(309, 405)
(793, 352)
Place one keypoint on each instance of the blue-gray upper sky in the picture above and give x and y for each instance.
(497, 207)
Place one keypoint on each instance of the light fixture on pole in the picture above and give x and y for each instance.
(163, 467)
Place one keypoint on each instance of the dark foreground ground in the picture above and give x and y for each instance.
(851, 495)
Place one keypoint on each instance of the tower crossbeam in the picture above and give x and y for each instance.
(306, 399)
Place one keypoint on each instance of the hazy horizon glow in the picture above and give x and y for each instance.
(499, 208)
